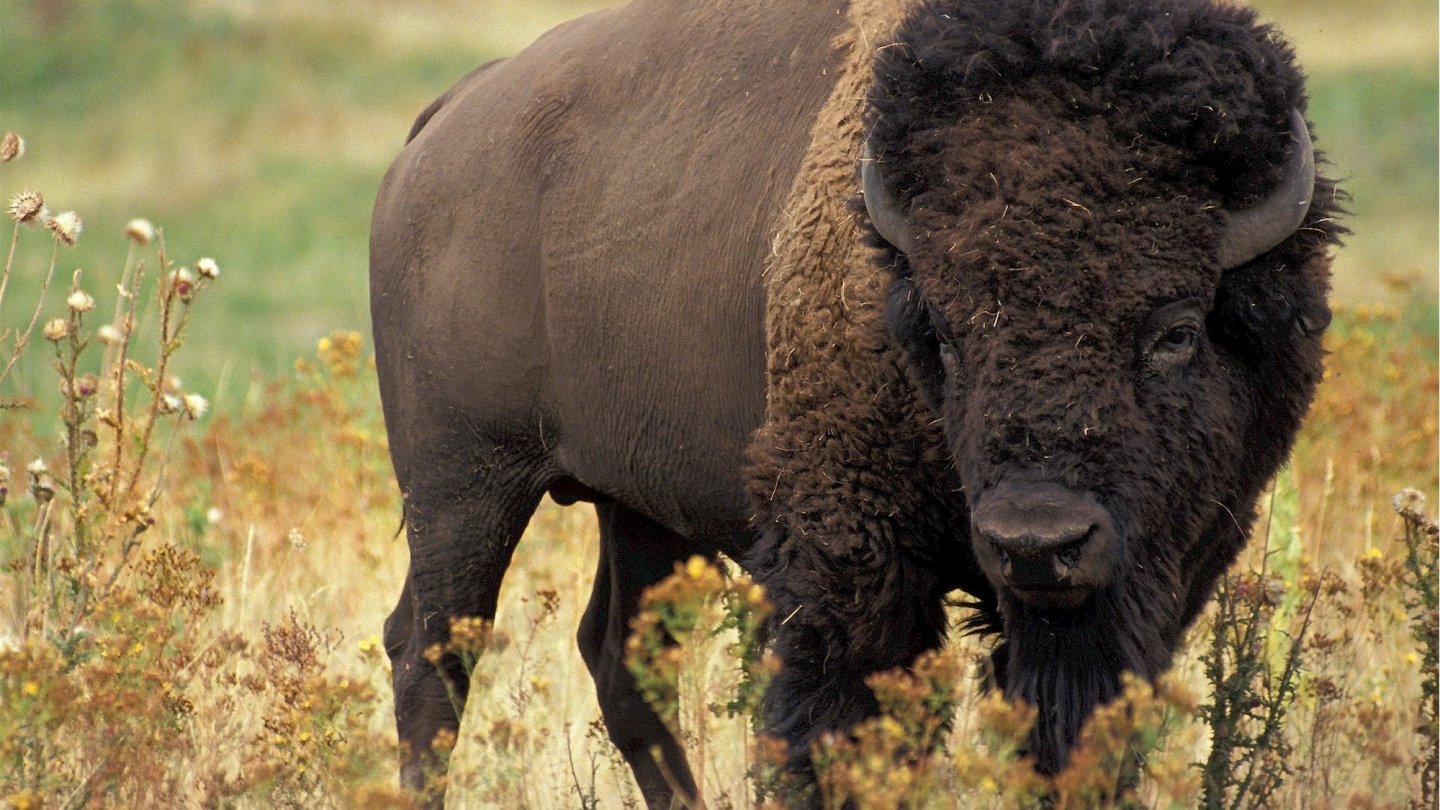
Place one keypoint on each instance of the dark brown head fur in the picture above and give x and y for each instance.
(1065, 165)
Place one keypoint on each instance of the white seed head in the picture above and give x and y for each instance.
(1409, 503)
(213, 515)
(195, 406)
(80, 301)
(42, 489)
(56, 330)
(109, 335)
(207, 268)
(66, 227)
(169, 403)
(12, 146)
(27, 206)
(140, 231)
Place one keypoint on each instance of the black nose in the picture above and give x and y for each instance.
(1032, 560)
(1043, 536)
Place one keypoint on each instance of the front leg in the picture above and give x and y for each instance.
(842, 611)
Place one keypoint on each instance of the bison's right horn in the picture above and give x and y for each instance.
(884, 212)
(1252, 231)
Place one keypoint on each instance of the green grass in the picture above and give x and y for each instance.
(259, 138)
(1377, 126)
(259, 142)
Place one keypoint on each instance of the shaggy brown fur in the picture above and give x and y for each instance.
(1064, 164)
(844, 429)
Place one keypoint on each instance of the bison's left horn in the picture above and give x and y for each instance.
(884, 212)
(1252, 231)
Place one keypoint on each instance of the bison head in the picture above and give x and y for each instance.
(1110, 279)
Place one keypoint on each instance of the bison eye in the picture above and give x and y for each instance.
(1179, 339)
(1174, 347)
(1171, 336)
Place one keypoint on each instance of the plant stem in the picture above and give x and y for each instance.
(24, 337)
(9, 262)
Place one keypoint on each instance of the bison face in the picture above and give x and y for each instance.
(1094, 422)
(1071, 301)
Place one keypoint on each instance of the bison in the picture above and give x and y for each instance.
(884, 300)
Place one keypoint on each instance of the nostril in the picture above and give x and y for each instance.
(1004, 558)
(1069, 554)
(1033, 560)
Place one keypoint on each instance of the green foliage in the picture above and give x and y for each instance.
(698, 608)
(1251, 690)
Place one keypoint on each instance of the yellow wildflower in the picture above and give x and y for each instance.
(695, 566)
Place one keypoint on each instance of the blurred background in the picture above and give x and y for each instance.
(256, 132)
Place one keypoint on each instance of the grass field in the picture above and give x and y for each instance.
(233, 658)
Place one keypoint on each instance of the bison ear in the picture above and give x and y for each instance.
(908, 319)
(1314, 320)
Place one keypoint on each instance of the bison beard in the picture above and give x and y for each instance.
(1066, 664)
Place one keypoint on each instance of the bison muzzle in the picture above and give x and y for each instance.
(1050, 545)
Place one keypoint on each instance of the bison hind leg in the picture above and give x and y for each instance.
(635, 553)
(463, 523)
